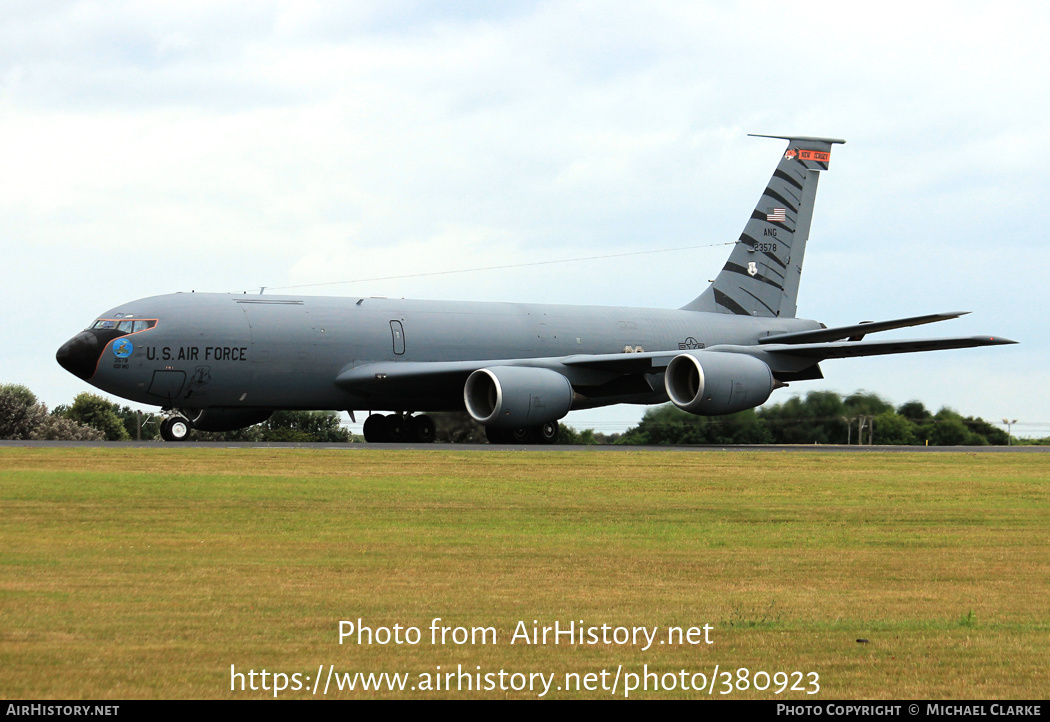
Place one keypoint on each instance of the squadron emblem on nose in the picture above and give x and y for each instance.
(123, 348)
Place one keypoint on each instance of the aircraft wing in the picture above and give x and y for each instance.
(383, 375)
(586, 369)
(579, 368)
(622, 374)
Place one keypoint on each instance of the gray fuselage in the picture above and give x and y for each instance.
(283, 352)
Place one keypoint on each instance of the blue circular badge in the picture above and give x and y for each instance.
(122, 348)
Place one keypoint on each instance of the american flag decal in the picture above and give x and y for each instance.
(776, 215)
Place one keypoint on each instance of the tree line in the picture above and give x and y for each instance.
(93, 418)
(822, 417)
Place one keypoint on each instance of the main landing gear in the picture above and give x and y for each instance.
(175, 428)
(402, 428)
(543, 434)
(398, 428)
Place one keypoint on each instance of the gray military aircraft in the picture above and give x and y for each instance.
(220, 362)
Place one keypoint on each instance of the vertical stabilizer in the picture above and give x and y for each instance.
(762, 274)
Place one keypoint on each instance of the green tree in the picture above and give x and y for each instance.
(248, 434)
(98, 413)
(57, 427)
(457, 427)
(991, 433)
(22, 417)
(946, 428)
(320, 426)
(866, 403)
(587, 437)
(821, 419)
(746, 427)
(892, 429)
(150, 429)
(668, 424)
(914, 411)
(570, 436)
(292, 426)
(665, 424)
(20, 412)
(948, 432)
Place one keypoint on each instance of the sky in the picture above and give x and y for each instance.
(154, 147)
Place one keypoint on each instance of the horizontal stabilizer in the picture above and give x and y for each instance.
(851, 349)
(857, 331)
(800, 138)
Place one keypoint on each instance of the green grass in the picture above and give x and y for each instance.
(129, 573)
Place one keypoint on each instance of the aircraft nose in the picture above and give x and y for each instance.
(79, 355)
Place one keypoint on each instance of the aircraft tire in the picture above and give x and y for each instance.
(421, 429)
(396, 429)
(521, 435)
(175, 428)
(375, 429)
(547, 433)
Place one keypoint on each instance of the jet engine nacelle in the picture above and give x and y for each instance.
(711, 383)
(516, 396)
(226, 419)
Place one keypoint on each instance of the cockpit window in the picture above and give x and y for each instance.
(123, 326)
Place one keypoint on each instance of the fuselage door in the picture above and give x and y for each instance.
(398, 334)
(167, 384)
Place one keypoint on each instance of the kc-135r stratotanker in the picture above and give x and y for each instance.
(219, 362)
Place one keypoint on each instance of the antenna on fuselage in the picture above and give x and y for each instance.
(261, 289)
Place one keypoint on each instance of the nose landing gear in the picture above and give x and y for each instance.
(175, 428)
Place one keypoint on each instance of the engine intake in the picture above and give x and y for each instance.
(711, 383)
(516, 396)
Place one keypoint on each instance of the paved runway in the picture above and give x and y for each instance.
(604, 448)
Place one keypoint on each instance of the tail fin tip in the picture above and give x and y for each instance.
(801, 138)
(762, 274)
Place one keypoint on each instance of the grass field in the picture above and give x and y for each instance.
(147, 573)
